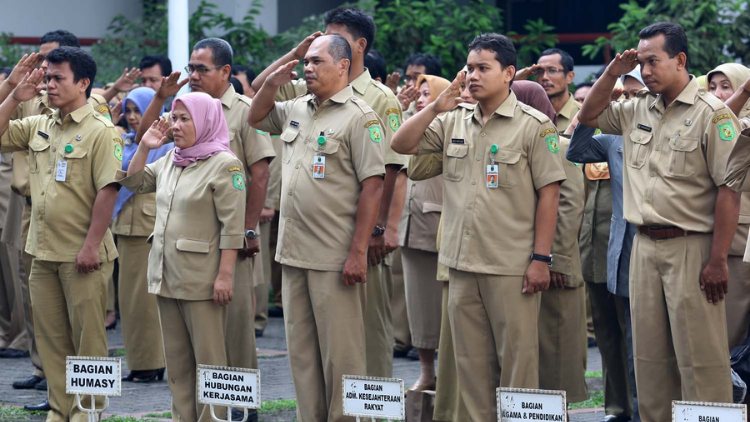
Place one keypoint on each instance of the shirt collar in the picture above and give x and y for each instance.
(687, 96)
(569, 109)
(77, 116)
(226, 99)
(361, 82)
(339, 97)
(506, 109)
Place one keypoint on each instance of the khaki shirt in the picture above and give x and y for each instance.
(675, 157)
(137, 216)
(273, 193)
(567, 113)
(420, 218)
(34, 107)
(318, 216)
(594, 239)
(200, 209)
(491, 231)
(566, 255)
(61, 210)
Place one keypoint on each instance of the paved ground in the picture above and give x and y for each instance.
(276, 380)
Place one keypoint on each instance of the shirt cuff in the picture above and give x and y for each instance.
(561, 264)
(131, 182)
(232, 241)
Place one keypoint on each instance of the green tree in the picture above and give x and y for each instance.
(716, 30)
(10, 53)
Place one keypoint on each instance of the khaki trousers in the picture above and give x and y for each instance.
(29, 312)
(275, 272)
(495, 330)
(193, 334)
(325, 336)
(610, 326)
(401, 332)
(562, 342)
(379, 337)
(139, 313)
(69, 312)
(13, 334)
(679, 339)
(738, 301)
(448, 403)
(240, 333)
(589, 316)
(111, 299)
(424, 295)
(262, 288)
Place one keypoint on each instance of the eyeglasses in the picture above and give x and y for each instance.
(200, 69)
(551, 71)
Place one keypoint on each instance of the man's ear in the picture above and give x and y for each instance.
(83, 85)
(344, 65)
(569, 77)
(681, 60)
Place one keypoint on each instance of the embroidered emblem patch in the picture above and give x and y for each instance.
(238, 181)
(376, 134)
(118, 152)
(552, 144)
(394, 122)
(726, 131)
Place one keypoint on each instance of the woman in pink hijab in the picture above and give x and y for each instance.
(200, 212)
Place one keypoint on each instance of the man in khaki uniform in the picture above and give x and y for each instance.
(676, 141)
(332, 169)
(75, 154)
(210, 68)
(359, 29)
(562, 326)
(492, 308)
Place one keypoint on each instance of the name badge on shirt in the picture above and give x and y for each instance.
(62, 171)
(492, 178)
(319, 167)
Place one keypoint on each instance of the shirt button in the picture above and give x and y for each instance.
(467, 232)
(305, 142)
(42, 193)
(664, 121)
(502, 156)
(469, 207)
(648, 200)
(290, 193)
(484, 134)
(49, 171)
(297, 166)
(315, 118)
(652, 174)
(479, 157)
(473, 182)
(657, 148)
(288, 220)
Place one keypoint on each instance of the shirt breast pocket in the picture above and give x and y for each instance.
(639, 148)
(455, 162)
(683, 156)
(289, 136)
(39, 154)
(330, 151)
(508, 166)
(77, 165)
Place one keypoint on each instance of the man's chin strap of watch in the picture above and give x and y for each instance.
(547, 259)
(378, 231)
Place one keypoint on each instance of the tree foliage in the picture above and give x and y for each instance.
(717, 30)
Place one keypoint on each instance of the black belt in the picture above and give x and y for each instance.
(664, 232)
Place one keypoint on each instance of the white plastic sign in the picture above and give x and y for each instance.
(224, 386)
(92, 375)
(373, 397)
(519, 404)
(685, 411)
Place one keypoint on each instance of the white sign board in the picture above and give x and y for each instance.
(371, 396)
(519, 404)
(224, 386)
(92, 375)
(685, 411)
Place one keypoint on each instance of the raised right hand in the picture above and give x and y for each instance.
(169, 85)
(391, 81)
(451, 97)
(28, 87)
(283, 75)
(27, 63)
(300, 51)
(526, 72)
(407, 96)
(157, 134)
(623, 63)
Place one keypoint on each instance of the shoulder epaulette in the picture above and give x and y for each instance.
(533, 112)
(712, 101)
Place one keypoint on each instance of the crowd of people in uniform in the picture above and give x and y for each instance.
(479, 220)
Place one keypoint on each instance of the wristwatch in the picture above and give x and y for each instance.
(251, 234)
(543, 258)
(378, 231)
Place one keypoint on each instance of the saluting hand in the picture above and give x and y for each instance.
(301, 49)
(391, 81)
(526, 72)
(157, 134)
(27, 64)
(169, 85)
(355, 269)
(126, 81)
(407, 96)
(715, 280)
(537, 278)
(623, 63)
(117, 113)
(283, 75)
(223, 290)
(746, 86)
(29, 86)
(450, 98)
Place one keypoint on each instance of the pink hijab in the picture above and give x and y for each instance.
(532, 94)
(211, 132)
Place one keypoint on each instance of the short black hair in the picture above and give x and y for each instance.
(81, 64)
(357, 22)
(339, 49)
(566, 60)
(221, 51)
(431, 63)
(502, 46)
(584, 84)
(237, 85)
(375, 63)
(675, 39)
(62, 37)
(153, 59)
(238, 68)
